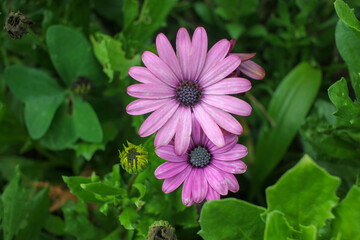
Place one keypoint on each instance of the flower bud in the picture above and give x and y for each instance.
(161, 230)
(16, 25)
(134, 159)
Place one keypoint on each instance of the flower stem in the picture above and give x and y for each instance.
(131, 182)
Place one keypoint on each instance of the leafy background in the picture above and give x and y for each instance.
(59, 170)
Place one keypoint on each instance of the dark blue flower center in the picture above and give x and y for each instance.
(199, 156)
(188, 93)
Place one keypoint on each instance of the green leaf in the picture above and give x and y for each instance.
(232, 10)
(308, 232)
(16, 206)
(72, 55)
(288, 108)
(149, 20)
(30, 84)
(38, 215)
(347, 213)
(348, 45)
(86, 123)
(40, 112)
(231, 219)
(339, 96)
(347, 15)
(102, 189)
(55, 225)
(130, 10)
(74, 185)
(142, 190)
(277, 227)
(305, 194)
(87, 150)
(111, 55)
(128, 218)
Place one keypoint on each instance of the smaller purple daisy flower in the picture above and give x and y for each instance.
(205, 169)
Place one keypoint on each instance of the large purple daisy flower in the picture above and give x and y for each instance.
(205, 169)
(192, 82)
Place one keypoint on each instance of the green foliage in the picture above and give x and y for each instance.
(288, 108)
(277, 227)
(347, 15)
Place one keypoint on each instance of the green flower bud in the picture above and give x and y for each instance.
(161, 230)
(134, 159)
(82, 86)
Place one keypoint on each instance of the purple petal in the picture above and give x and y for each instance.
(236, 167)
(230, 142)
(209, 126)
(158, 118)
(143, 75)
(220, 71)
(217, 53)
(237, 152)
(195, 132)
(170, 169)
(244, 56)
(223, 119)
(150, 91)
(216, 180)
(229, 86)
(167, 152)
(212, 194)
(170, 184)
(229, 104)
(183, 49)
(167, 132)
(167, 54)
(231, 181)
(186, 191)
(199, 185)
(183, 131)
(198, 50)
(252, 70)
(159, 68)
(142, 106)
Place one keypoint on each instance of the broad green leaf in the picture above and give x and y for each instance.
(74, 186)
(62, 133)
(347, 216)
(277, 227)
(87, 150)
(72, 55)
(130, 11)
(128, 218)
(111, 55)
(38, 215)
(102, 189)
(339, 96)
(305, 194)
(16, 206)
(149, 20)
(347, 15)
(288, 108)
(40, 112)
(55, 225)
(348, 45)
(231, 219)
(78, 224)
(308, 232)
(86, 123)
(30, 84)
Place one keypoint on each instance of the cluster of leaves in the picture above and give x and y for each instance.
(62, 186)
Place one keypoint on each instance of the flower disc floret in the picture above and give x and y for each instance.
(199, 156)
(188, 93)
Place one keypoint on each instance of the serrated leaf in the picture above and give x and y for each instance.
(74, 185)
(231, 219)
(72, 55)
(128, 218)
(102, 189)
(16, 206)
(348, 45)
(347, 15)
(305, 194)
(142, 190)
(347, 213)
(308, 232)
(339, 96)
(277, 227)
(38, 215)
(288, 108)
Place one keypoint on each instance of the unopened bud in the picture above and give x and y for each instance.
(161, 230)
(134, 159)
(16, 24)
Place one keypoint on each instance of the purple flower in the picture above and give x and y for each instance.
(247, 67)
(205, 169)
(192, 82)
